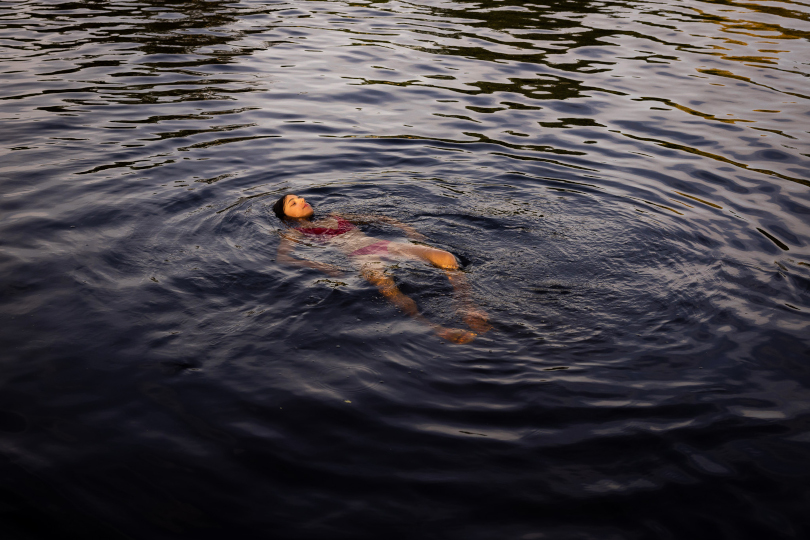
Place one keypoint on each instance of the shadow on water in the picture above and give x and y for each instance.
(626, 186)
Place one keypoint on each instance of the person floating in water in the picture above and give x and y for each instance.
(369, 254)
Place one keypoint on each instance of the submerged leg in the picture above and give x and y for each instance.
(437, 257)
(388, 289)
(472, 316)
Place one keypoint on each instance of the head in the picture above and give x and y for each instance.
(292, 207)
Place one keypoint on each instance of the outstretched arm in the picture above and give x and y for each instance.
(286, 247)
(412, 233)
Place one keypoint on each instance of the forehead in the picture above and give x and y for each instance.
(289, 198)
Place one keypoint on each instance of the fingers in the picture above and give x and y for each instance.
(413, 233)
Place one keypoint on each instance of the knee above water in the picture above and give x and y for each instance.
(445, 260)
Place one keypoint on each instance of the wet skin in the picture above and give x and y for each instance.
(299, 210)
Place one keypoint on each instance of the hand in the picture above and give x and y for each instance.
(413, 234)
(331, 270)
(328, 269)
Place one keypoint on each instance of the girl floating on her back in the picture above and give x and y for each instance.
(369, 253)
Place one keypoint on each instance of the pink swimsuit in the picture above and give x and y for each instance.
(374, 249)
(343, 227)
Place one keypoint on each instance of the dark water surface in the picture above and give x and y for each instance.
(627, 183)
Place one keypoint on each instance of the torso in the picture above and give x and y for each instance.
(338, 232)
(328, 228)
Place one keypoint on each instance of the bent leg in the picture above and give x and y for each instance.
(472, 316)
(437, 257)
(388, 289)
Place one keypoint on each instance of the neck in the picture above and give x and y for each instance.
(303, 221)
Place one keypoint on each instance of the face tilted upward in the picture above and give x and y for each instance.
(296, 207)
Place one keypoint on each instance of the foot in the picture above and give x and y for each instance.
(477, 320)
(455, 335)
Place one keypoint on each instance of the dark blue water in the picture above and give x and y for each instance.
(627, 185)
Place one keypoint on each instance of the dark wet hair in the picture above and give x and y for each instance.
(278, 208)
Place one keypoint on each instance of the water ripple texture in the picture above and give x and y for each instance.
(626, 185)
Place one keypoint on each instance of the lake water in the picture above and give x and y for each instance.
(627, 185)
